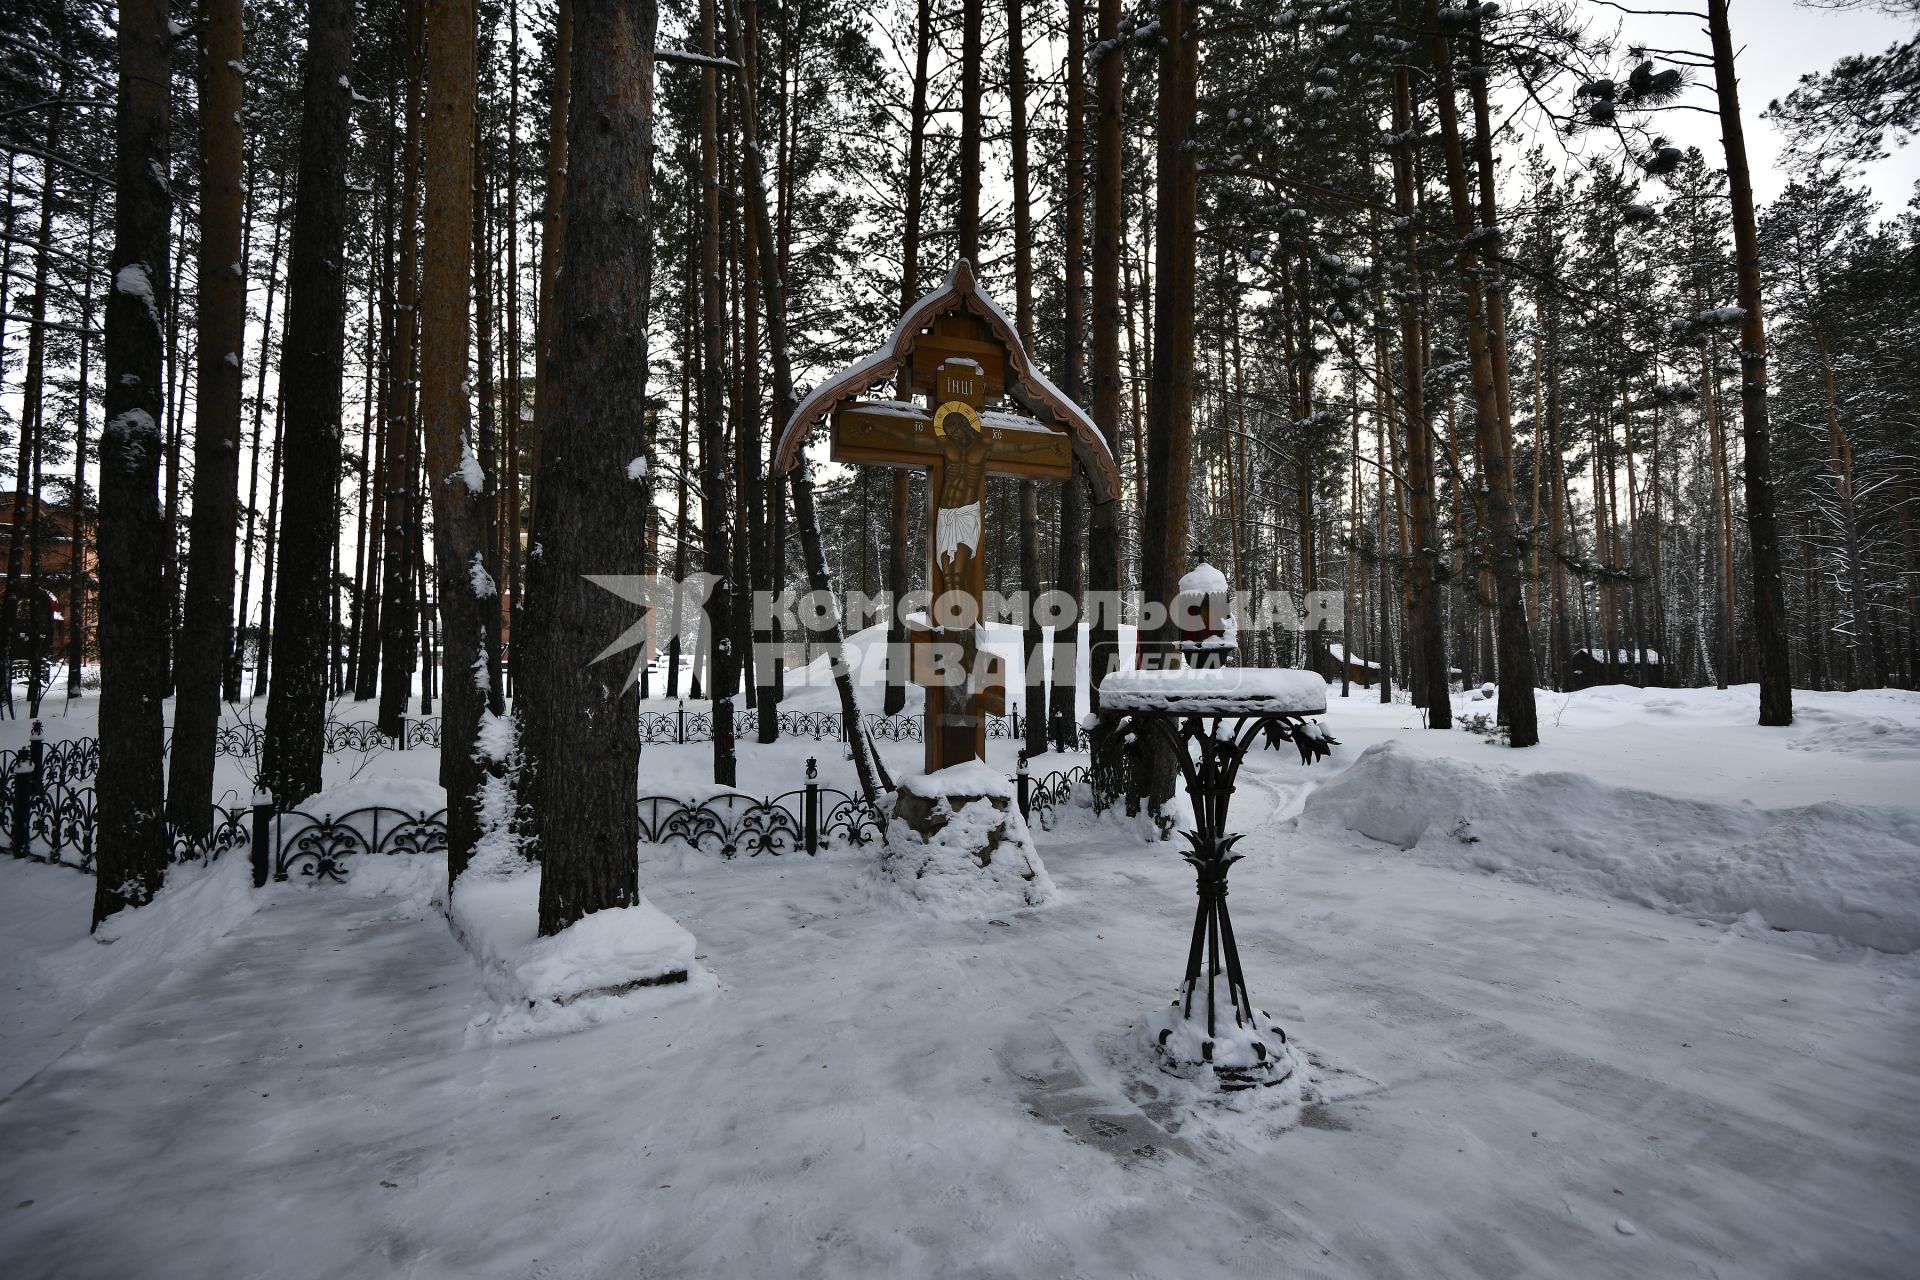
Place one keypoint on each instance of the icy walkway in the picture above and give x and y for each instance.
(1560, 1087)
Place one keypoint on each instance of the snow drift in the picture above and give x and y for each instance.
(977, 859)
(1848, 871)
(600, 968)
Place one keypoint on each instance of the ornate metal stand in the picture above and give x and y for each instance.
(1222, 741)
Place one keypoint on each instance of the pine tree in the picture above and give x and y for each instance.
(131, 857)
(313, 361)
(582, 738)
(206, 616)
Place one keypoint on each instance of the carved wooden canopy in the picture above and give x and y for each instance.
(958, 321)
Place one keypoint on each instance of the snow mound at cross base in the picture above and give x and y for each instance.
(944, 877)
(1851, 872)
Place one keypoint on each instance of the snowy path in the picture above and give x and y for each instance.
(877, 1095)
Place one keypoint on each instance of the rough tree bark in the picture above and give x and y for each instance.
(313, 361)
(131, 857)
(761, 571)
(1109, 209)
(1769, 598)
(1164, 514)
(1163, 549)
(899, 571)
(715, 516)
(216, 452)
(527, 675)
(971, 55)
(1424, 619)
(1033, 641)
(456, 483)
(1492, 395)
(581, 731)
(1069, 576)
(398, 611)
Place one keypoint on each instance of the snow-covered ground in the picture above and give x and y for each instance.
(1554, 1022)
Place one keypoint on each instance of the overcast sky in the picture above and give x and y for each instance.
(1778, 41)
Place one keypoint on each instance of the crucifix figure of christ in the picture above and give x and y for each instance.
(988, 412)
(959, 446)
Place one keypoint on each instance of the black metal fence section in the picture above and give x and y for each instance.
(1041, 798)
(801, 821)
(684, 725)
(56, 821)
(72, 759)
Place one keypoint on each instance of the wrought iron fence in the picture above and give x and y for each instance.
(1042, 797)
(74, 759)
(321, 847)
(684, 725)
(49, 818)
(805, 820)
(64, 760)
(48, 809)
(71, 759)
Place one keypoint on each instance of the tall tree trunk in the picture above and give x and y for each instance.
(971, 55)
(1558, 637)
(379, 369)
(716, 518)
(582, 736)
(1033, 641)
(237, 653)
(899, 573)
(1109, 211)
(131, 857)
(761, 572)
(1769, 599)
(1069, 575)
(369, 354)
(516, 387)
(77, 593)
(1840, 453)
(1486, 349)
(552, 226)
(216, 450)
(487, 438)
(313, 362)
(456, 480)
(270, 541)
(1170, 408)
(1428, 641)
(398, 603)
(1164, 515)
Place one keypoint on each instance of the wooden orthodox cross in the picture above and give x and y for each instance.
(964, 355)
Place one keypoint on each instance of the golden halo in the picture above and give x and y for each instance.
(955, 406)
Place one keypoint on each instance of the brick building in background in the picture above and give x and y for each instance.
(54, 525)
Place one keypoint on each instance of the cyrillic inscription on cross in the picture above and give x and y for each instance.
(959, 445)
